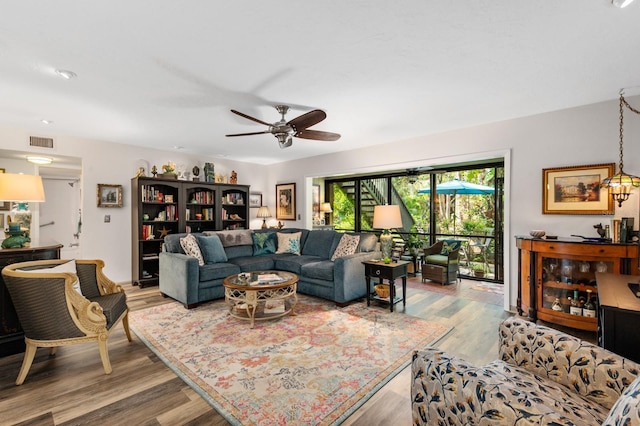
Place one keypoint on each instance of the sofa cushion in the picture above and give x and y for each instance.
(191, 248)
(445, 387)
(318, 270)
(212, 249)
(319, 243)
(626, 410)
(293, 263)
(172, 243)
(367, 242)
(289, 243)
(217, 271)
(240, 237)
(264, 262)
(263, 243)
(348, 245)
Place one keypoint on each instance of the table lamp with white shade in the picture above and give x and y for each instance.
(386, 217)
(264, 213)
(20, 189)
(325, 209)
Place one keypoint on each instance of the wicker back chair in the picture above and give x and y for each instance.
(52, 313)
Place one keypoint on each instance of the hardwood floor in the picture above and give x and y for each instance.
(71, 388)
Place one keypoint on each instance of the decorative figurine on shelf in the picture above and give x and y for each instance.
(140, 172)
(196, 173)
(600, 230)
(209, 172)
(154, 171)
(234, 177)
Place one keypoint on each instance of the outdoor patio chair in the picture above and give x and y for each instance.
(440, 261)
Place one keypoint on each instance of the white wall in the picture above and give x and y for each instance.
(577, 136)
(116, 164)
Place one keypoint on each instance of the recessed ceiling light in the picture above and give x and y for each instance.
(39, 160)
(621, 3)
(47, 121)
(66, 74)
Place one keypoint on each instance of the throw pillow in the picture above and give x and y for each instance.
(289, 243)
(264, 243)
(347, 245)
(191, 248)
(448, 246)
(211, 248)
(63, 267)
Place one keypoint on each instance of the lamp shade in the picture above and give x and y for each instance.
(325, 208)
(21, 188)
(263, 212)
(387, 217)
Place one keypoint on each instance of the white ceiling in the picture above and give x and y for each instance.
(162, 73)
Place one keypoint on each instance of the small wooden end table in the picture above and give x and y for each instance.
(387, 271)
(250, 294)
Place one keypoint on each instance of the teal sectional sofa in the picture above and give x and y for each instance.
(226, 253)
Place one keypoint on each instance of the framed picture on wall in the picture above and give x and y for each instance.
(576, 190)
(255, 200)
(286, 201)
(109, 195)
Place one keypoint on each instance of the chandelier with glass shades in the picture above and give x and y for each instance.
(620, 184)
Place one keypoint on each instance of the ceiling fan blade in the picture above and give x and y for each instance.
(249, 134)
(250, 118)
(317, 135)
(307, 120)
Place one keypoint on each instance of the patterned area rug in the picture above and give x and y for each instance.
(316, 367)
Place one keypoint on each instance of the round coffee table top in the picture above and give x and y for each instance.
(260, 280)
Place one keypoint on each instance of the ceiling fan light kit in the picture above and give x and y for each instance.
(285, 131)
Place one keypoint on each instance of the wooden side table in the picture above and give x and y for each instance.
(387, 271)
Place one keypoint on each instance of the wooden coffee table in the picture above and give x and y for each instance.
(261, 295)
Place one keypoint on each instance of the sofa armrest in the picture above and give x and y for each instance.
(348, 276)
(595, 373)
(179, 277)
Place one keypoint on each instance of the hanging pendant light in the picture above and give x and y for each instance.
(620, 184)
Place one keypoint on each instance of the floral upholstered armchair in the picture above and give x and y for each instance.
(543, 377)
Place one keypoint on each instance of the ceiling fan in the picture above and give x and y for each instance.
(298, 127)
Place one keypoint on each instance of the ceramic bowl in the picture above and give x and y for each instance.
(537, 233)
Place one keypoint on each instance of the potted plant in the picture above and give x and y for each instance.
(415, 242)
(478, 270)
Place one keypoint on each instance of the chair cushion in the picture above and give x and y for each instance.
(212, 249)
(438, 259)
(191, 248)
(449, 246)
(263, 243)
(289, 243)
(113, 305)
(626, 410)
(348, 245)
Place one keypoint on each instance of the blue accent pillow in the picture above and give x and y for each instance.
(264, 243)
(212, 249)
(448, 246)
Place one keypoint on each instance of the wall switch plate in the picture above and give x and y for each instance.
(107, 218)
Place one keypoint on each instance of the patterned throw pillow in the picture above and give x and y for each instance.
(289, 243)
(264, 243)
(448, 246)
(347, 245)
(191, 248)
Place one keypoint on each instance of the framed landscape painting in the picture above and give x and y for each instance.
(286, 201)
(576, 190)
(109, 195)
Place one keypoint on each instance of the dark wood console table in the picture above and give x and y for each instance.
(11, 335)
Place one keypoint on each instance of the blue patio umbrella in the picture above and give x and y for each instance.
(459, 187)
